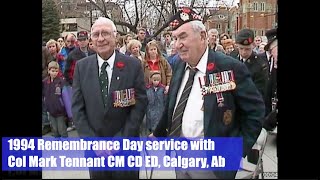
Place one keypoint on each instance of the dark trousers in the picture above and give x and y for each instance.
(59, 127)
(101, 174)
(94, 174)
(253, 156)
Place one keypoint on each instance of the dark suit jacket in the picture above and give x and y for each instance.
(75, 55)
(92, 119)
(259, 71)
(270, 83)
(245, 102)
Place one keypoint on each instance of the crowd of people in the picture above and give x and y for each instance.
(104, 85)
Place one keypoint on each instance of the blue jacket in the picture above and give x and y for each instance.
(173, 59)
(156, 105)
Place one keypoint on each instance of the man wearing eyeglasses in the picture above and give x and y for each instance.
(109, 95)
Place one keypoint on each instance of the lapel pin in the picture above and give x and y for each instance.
(118, 78)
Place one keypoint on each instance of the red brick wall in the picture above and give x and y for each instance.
(259, 21)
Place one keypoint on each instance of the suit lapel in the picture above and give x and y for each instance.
(210, 101)
(94, 82)
(174, 88)
(117, 77)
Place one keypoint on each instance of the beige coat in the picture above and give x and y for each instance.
(165, 71)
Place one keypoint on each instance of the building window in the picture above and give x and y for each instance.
(221, 16)
(262, 32)
(218, 26)
(72, 27)
(255, 6)
(262, 6)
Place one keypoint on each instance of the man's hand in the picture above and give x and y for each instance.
(105, 153)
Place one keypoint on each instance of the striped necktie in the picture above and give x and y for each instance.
(178, 114)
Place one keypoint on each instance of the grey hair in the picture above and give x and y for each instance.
(198, 26)
(211, 31)
(104, 20)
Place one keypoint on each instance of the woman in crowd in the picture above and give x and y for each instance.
(155, 62)
(134, 48)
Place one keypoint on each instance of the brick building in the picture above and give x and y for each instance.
(78, 15)
(224, 19)
(258, 15)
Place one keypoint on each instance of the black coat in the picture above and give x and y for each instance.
(245, 102)
(258, 69)
(75, 55)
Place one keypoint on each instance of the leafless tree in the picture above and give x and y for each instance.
(153, 14)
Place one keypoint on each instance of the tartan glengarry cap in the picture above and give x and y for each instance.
(82, 35)
(271, 36)
(245, 37)
(183, 16)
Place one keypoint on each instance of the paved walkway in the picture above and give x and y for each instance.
(270, 165)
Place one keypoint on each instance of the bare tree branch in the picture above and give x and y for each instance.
(137, 15)
(192, 3)
(104, 6)
(125, 10)
(174, 7)
(232, 3)
(100, 9)
(166, 24)
(160, 11)
(167, 4)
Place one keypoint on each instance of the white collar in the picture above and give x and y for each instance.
(110, 60)
(202, 64)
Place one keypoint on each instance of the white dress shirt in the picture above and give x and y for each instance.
(192, 120)
(270, 61)
(109, 68)
(243, 59)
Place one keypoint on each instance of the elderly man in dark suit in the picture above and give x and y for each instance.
(109, 95)
(192, 111)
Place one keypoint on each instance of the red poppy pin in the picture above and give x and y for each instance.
(210, 66)
(120, 65)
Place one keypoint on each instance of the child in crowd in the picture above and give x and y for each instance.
(156, 99)
(52, 93)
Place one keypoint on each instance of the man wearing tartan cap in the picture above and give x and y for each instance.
(194, 112)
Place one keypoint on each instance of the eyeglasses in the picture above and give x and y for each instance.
(72, 41)
(104, 34)
(60, 41)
